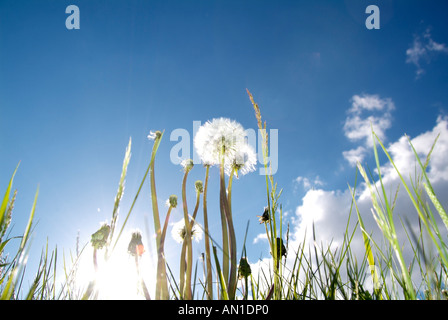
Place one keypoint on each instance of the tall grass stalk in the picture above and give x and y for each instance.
(272, 203)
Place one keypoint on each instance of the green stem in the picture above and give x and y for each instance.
(161, 267)
(186, 274)
(155, 207)
(187, 240)
(232, 280)
(182, 269)
(95, 260)
(209, 282)
(229, 190)
(225, 239)
(140, 279)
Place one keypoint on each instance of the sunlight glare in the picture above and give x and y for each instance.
(117, 278)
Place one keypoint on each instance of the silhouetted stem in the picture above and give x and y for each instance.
(187, 240)
(232, 280)
(209, 281)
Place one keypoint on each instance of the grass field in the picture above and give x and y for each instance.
(312, 271)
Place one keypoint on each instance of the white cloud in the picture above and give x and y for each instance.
(308, 184)
(371, 103)
(423, 48)
(358, 126)
(354, 156)
(329, 210)
(260, 237)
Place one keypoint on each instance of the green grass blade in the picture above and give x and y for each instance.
(26, 234)
(5, 200)
(120, 190)
(436, 203)
(222, 282)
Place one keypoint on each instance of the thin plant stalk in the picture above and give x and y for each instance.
(184, 243)
(209, 279)
(232, 280)
(140, 279)
(118, 198)
(272, 197)
(386, 223)
(225, 240)
(161, 285)
(189, 250)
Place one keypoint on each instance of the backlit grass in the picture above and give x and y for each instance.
(307, 272)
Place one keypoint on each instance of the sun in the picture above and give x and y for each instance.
(117, 278)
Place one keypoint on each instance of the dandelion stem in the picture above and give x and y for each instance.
(95, 260)
(182, 267)
(161, 269)
(187, 240)
(207, 243)
(155, 209)
(232, 280)
(225, 239)
(140, 279)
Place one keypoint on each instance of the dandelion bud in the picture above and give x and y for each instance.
(281, 249)
(199, 187)
(172, 201)
(99, 238)
(187, 164)
(135, 247)
(244, 270)
(265, 217)
(154, 135)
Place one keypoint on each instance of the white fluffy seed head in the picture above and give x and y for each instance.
(178, 232)
(243, 161)
(216, 136)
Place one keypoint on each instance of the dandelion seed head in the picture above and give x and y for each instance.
(178, 232)
(244, 160)
(216, 136)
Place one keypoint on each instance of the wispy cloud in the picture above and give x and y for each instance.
(309, 184)
(354, 156)
(367, 112)
(423, 49)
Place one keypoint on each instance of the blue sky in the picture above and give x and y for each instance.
(71, 99)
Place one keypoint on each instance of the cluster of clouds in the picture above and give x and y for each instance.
(358, 127)
(423, 50)
(327, 211)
